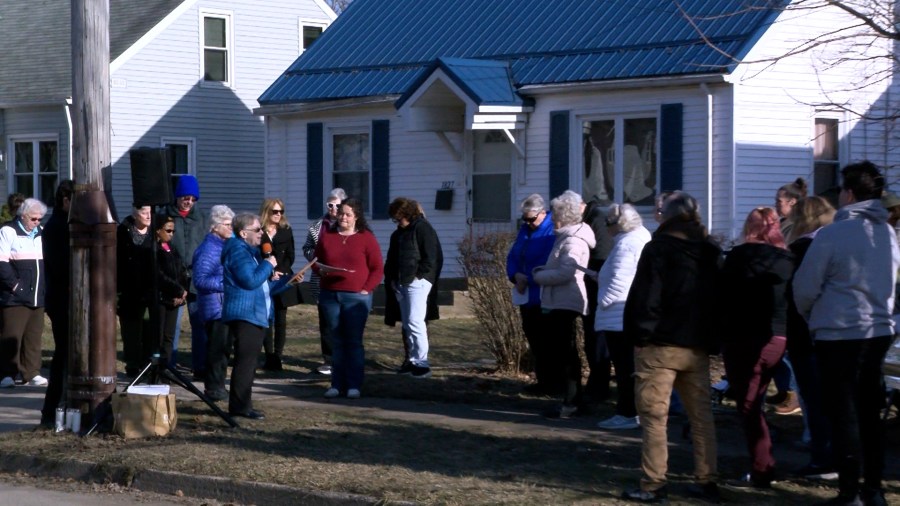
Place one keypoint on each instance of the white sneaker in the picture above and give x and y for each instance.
(7, 382)
(620, 422)
(331, 393)
(324, 369)
(353, 393)
(37, 381)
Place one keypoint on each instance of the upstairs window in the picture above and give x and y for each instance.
(826, 155)
(309, 32)
(217, 60)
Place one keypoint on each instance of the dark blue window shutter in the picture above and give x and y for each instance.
(314, 171)
(381, 162)
(671, 147)
(559, 152)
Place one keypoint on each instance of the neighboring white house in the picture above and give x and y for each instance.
(184, 74)
(513, 97)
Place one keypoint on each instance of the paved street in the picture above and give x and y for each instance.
(21, 408)
(22, 495)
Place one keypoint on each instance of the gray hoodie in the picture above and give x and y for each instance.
(845, 286)
(562, 283)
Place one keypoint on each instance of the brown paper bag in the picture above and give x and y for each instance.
(139, 416)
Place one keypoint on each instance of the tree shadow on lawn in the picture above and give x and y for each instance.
(594, 464)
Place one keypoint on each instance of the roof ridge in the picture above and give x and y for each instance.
(518, 56)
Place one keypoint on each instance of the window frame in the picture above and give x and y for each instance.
(841, 146)
(35, 140)
(301, 23)
(191, 144)
(618, 118)
(228, 16)
(511, 173)
(330, 131)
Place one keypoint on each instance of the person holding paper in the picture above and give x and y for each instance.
(277, 232)
(350, 268)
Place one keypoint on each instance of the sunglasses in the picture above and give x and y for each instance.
(169, 230)
(530, 219)
(332, 205)
(34, 219)
(277, 211)
(254, 230)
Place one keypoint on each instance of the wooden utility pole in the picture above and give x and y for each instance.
(92, 357)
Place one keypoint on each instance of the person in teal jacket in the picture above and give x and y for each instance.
(248, 307)
(531, 249)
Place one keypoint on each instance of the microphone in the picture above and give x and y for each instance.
(266, 249)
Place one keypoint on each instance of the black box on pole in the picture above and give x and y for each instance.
(150, 177)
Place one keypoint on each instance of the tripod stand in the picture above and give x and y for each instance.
(156, 369)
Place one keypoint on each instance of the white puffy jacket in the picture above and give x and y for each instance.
(616, 276)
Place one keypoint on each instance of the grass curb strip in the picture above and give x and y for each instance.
(209, 487)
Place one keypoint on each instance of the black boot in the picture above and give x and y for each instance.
(273, 362)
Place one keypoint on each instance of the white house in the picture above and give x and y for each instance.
(618, 100)
(184, 74)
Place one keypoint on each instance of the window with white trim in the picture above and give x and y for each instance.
(492, 177)
(351, 162)
(35, 167)
(309, 32)
(632, 177)
(826, 154)
(217, 59)
(180, 156)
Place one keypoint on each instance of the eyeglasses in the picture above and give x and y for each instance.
(332, 205)
(33, 219)
(277, 211)
(531, 219)
(169, 230)
(188, 198)
(254, 230)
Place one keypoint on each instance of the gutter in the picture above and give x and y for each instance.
(68, 109)
(326, 105)
(630, 84)
(709, 154)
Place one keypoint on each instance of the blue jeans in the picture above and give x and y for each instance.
(345, 315)
(413, 300)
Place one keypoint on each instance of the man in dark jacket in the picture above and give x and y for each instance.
(668, 316)
(413, 265)
(57, 259)
(190, 230)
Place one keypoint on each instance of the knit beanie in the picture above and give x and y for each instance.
(187, 185)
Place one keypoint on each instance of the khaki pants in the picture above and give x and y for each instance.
(657, 370)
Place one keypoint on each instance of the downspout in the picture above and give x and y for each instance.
(709, 155)
(68, 109)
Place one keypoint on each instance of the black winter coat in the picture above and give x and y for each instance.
(172, 275)
(57, 263)
(133, 269)
(799, 340)
(414, 252)
(672, 299)
(753, 287)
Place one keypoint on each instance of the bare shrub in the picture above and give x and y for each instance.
(483, 260)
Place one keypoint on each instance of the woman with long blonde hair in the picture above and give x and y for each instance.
(277, 233)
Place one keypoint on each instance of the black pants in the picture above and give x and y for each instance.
(248, 339)
(276, 335)
(218, 349)
(622, 353)
(565, 350)
(595, 347)
(59, 323)
(168, 322)
(853, 395)
(548, 366)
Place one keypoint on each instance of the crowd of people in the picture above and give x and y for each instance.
(805, 299)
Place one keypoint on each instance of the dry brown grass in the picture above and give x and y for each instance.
(466, 436)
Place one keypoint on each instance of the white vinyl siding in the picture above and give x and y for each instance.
(158, 94)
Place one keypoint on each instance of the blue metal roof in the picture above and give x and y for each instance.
(383, 47)
(486, 82)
